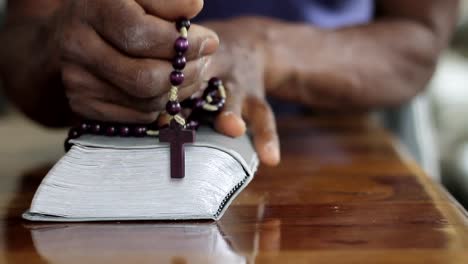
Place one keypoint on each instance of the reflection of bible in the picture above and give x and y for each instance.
(142, 243)
(103, 178)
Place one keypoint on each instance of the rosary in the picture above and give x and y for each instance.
(179, 131)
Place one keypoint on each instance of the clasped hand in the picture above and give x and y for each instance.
(115, 59)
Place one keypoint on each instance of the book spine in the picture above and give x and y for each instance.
(229, 195)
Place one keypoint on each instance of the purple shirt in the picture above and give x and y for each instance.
(322, 13)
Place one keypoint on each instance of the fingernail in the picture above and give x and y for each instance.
(239, 119)
(273, 151)
(208, 46)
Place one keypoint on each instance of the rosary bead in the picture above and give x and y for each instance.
(193, 124)
(73, 133)
(181, 45)
(179, 63)
(198, 103)
(111, 131)
(139, 131)
(96, 129)
(177, 78)
(84, 127)
(183, 22)
(210, 91)
(220, 102)
(173, 107)
(214, 82)
(124, 131)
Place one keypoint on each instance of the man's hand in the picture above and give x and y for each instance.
(116, 56)
(240, 64)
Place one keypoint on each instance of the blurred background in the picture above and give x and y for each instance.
(445, 108)
(448, 93)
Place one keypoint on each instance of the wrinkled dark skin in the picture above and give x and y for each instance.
(111, 59)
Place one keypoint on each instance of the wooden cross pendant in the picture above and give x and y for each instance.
(177, 136)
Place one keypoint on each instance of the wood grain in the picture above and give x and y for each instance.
(345, 192)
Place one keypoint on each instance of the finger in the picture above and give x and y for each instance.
(142, 78)
(127, 27)
(80, 81)
(184, 93)
(108, 112)
(172, 10)
(263, 126)
(229, 121)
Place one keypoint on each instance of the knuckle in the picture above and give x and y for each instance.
(134, 39)
(145, 81)
(73, 42)
(68, 46)
(71, 77)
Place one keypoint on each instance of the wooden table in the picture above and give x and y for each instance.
(345, 193)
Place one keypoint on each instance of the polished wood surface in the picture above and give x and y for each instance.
(345, 192)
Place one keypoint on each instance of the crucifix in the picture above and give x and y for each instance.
(177, 136)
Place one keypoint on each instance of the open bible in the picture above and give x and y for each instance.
(113, 178)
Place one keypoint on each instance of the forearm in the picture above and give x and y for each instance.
(29, 69)
(383, 63)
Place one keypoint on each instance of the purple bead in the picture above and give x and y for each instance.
(193, 124)
(198, 103)
(139, 131)
(219, 102)
(183, 22)
(96, 129)
(210, 91)
(84, 127)
(173, 108)
(215, 82)
(177, 78)
(124, 131)
(73, 133)
(111, 131)
(179, 63)
(181, 45)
